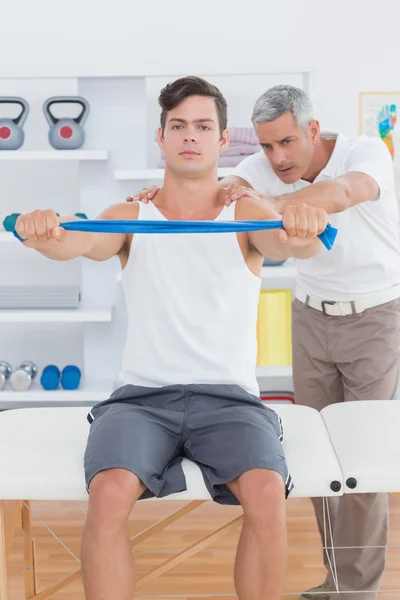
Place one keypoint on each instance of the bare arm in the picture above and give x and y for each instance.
(235, 187)
(43, 233)
(299, 239)
(335, 195)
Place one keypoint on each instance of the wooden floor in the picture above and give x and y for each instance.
(206, 575)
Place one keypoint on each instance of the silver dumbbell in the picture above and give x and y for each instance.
(22, 377)
(5, 373)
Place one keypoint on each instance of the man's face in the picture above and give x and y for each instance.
(288, 146)
(192, 140)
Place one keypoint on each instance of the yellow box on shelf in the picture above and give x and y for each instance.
(274, 328)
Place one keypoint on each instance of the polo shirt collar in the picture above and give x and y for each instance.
(336, 158)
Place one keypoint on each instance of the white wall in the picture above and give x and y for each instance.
(352, 44)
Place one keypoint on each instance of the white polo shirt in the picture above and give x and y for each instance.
(366, 255)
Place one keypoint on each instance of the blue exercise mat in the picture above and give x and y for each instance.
(132, 226)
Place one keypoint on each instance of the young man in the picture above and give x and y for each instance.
(346, 314)
(189, 363)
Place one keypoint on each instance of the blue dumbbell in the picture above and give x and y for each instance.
(70, 377)
(50, 378)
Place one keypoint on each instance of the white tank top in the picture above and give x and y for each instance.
(192, 307)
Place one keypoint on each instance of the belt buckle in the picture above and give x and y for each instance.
(323, 302)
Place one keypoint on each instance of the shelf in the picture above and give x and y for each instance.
(138, 174)
(92, 393)
(63, 155)
(89, 393)
(14, 71)
(278, 371)
(285, 271)
(55, 316)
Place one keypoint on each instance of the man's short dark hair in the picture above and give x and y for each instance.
(174, 93)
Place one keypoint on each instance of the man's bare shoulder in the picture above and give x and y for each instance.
(250, 209)
(121, 211)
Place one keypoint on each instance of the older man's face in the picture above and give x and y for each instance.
(289, 147)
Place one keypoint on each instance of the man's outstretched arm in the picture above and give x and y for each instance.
(302, 224)
(368, 173)
(42, 231)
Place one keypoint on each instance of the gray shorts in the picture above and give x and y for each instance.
(222, 428)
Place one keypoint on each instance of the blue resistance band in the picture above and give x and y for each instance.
(128, 226)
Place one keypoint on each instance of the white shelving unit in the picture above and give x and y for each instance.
(120, 150)
(88, 394)
(278, 371)
(56, 316)
(280, 272)
(279, 276)
(50, 155)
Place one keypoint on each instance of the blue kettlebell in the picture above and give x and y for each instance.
(66, 133)
(12, 135)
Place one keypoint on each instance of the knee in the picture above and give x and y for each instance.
(262, 496)
(112, 494)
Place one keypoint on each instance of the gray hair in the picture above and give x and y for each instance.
(280, 99)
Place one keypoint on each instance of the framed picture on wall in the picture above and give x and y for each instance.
(379, 116)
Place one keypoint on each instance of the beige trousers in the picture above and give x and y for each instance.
(337, 359)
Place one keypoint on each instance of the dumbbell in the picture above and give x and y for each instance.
(22, 377)
(50, 378)
(9, 221)
(79, 215)
(5, 373)
(70, 377)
